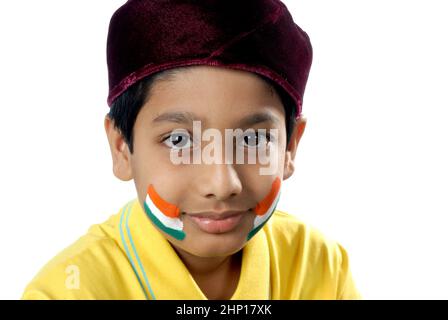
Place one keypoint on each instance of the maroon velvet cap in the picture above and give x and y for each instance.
(260, 36)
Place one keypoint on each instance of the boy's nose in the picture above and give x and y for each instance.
(219, 181)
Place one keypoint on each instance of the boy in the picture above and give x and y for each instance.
(204, 224)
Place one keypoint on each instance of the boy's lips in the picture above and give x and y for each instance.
(213, 222)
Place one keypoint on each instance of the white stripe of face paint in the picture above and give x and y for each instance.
(173, 223)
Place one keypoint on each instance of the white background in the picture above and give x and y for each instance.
(371, 166)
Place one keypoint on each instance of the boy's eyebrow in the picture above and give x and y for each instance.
(177, 117)
(259, 117)
(185, 117)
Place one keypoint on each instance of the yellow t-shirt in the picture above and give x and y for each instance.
(126, 257)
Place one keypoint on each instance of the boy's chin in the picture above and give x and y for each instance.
(210, 248)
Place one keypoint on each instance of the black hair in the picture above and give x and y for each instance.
(126, 107)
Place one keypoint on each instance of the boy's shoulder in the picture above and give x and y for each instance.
(295, 237)
(288, 228)
(315, 263)
(88, 268)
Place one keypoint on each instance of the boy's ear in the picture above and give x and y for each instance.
(120, 151)
(292, 147)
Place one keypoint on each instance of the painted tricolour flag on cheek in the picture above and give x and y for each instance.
(165, 215)
(266, 207)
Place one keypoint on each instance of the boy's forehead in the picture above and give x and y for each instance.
(209, 94)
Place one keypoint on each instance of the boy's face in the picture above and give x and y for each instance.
(221, 99)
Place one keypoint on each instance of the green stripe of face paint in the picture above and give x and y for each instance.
(177, 234)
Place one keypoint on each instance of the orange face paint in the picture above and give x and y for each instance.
(168, 209)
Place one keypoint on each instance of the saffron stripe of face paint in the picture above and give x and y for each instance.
(164, 214)
(168, 209)
(260, 219)
(266, 207)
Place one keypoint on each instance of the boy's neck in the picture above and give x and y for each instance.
(217, 277)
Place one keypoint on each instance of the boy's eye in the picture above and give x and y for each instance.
(256, 139)
(178, 140)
